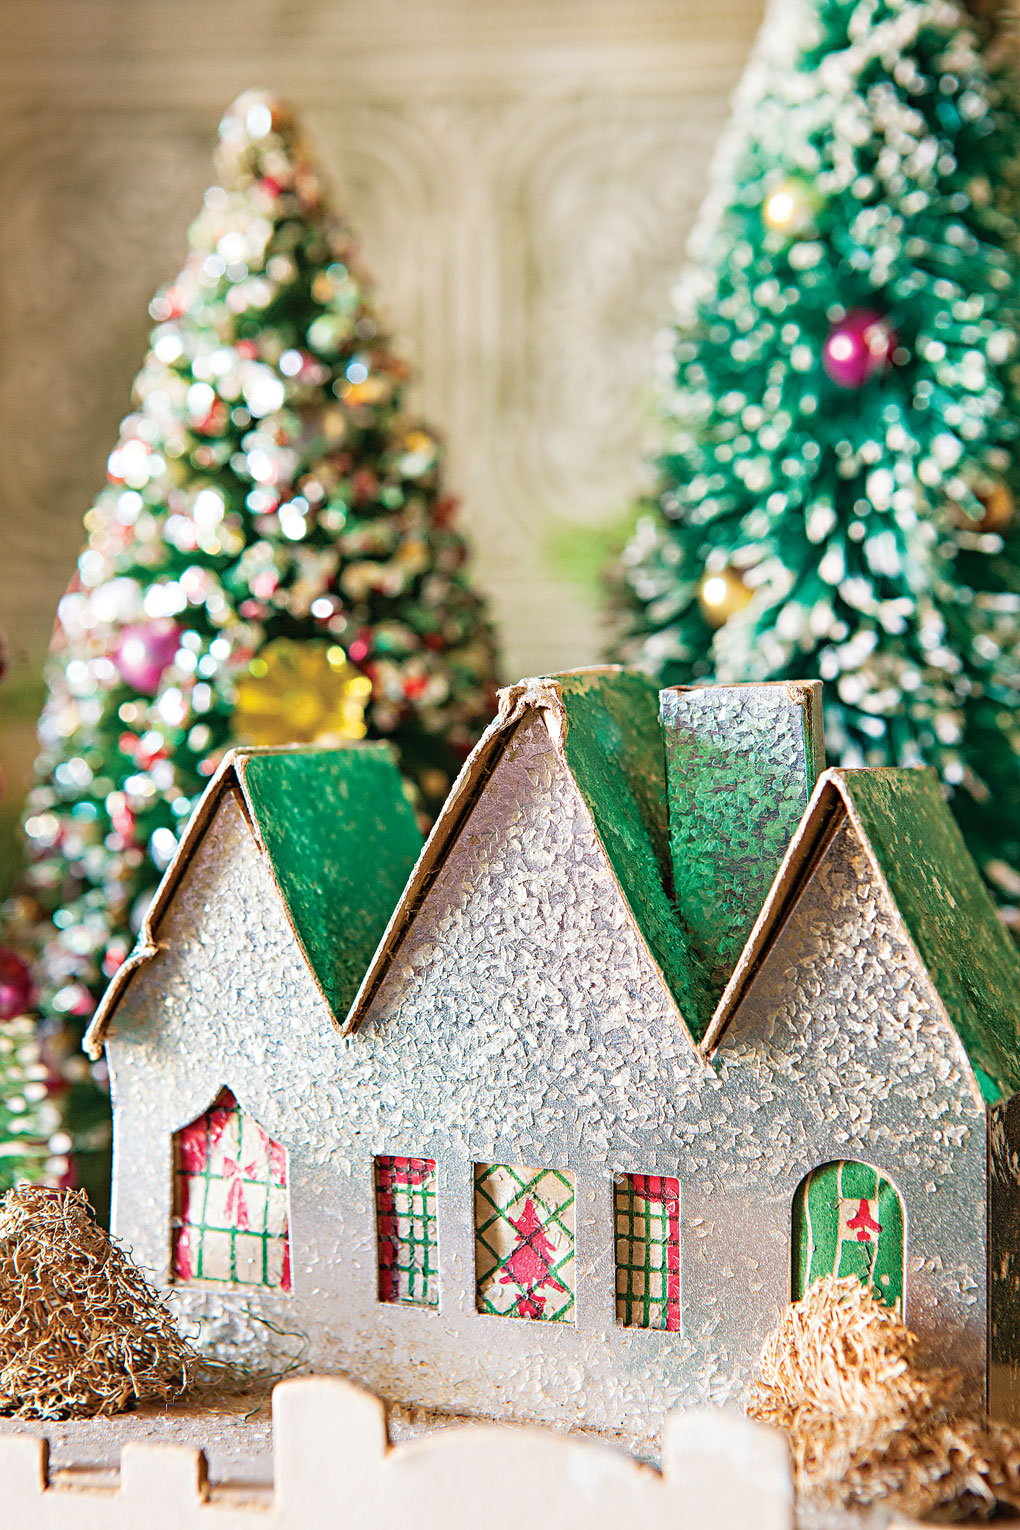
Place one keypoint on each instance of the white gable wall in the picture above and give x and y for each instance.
(522, 1022)
(843, 1050)
(228, 993)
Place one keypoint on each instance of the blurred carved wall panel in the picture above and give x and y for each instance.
(522, 175)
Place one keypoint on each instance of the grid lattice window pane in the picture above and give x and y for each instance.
(405, 1201)
(230, 1202)
(647, 1208)
(524, 1242)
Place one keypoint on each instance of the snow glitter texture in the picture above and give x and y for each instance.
(868, 186)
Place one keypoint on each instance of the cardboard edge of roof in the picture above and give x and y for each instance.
(308, 854)
(900, 816)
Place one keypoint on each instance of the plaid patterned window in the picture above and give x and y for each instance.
(524, 1242)
(647, 1210)
(405, 1201)
(230, 1195)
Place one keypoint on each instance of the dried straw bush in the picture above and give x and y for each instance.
(866, 1423)
(81, 1331)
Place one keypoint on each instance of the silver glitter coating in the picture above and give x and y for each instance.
(522, 1021)
(741, 762)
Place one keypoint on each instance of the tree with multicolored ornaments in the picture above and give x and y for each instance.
(32, 1146)
(273, 559)
(842, 450)
(33, 1142)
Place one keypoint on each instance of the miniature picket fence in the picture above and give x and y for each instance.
(335, 1470)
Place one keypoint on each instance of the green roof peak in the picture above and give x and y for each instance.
(741, 764)
(695, 794)
(341, 838)
(948, 913)
(614, 751)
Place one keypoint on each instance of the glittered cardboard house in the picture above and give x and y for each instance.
(662, 1027)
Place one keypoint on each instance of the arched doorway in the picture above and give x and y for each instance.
(848, 1220)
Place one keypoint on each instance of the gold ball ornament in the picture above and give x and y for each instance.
(790, 207)
(324, 288)
(20, 914)
(999, 507)
(435, 783)
(300, 693)
(371, 390)
(721, 595)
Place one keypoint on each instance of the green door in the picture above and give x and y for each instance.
(848, 1220)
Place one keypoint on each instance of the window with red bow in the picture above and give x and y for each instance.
(230, 1202)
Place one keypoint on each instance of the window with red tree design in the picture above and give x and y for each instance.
(524, 1242)
(230, 1202)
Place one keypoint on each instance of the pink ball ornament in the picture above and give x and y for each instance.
(144, 652)
(858, 346)
(17, 991)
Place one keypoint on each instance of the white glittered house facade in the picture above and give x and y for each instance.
(614, 1082)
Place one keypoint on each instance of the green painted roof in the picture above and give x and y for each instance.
(743, 760)
(341, 838)
(615, 749)
(741, 763)
(948, 913)
(615, 753)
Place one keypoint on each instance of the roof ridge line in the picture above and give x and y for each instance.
(232, 774)
(812, 838)
(854, 815)
(806, 844)
(146, 947)
(793, 868)
(541, 692)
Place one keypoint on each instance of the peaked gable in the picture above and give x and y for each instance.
(339, 837)
(607, 727)
(948, 913)
(614, 750)
(523, 984)
(604, 725)
(936, 890)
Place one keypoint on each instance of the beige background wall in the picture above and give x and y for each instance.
(522, 172)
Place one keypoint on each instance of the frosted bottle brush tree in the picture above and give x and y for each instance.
(272, 560)
(836, 484)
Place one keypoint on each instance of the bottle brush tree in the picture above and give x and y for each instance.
(273, 559)
(839, 464)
